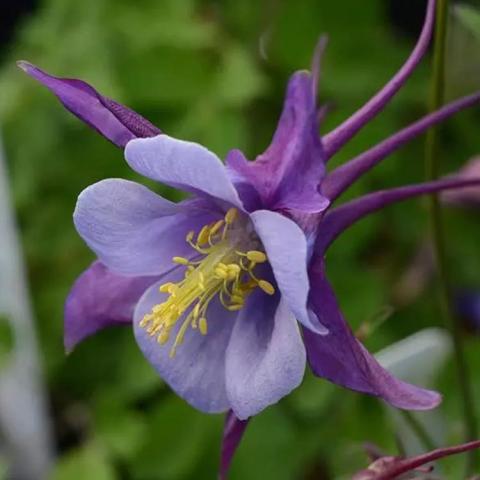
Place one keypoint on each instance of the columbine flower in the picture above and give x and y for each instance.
(216, 284)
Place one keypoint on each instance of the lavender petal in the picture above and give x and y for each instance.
(286, 248)
(197, 371)
(134, 231)
(184, 165)
(265, 357)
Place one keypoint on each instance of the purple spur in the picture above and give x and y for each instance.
(227, 290)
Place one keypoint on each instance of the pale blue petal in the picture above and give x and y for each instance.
(133, 230)
(197, 372)
(184, 165)
(286, 248)
(265, 357)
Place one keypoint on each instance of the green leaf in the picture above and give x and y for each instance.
(119, 429)
(469, 16)
(239, 81)
(87, 462)
(175, 440)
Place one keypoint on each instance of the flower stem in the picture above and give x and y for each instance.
(432, 172)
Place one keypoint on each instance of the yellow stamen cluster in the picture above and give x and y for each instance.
(224, 271)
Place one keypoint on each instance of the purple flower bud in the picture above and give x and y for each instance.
(114, 121)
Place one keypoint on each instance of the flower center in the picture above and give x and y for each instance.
(223, 268)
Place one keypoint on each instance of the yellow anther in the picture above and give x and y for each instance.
(167, 287)
(234, 308)
(220, 272)
(233, 268)
(233, 272)
(162, 339)
(231, 216)
(237, 299)
(203, 235)
(147, 318)
(181, 260)
(237, 290)
(267, 287)
(216, 227)
(201, 281)
(202, 326)
(256, 256)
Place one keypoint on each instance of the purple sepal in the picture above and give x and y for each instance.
(116, 122)
(99, 299)
(317, 64)
(246, 191)
(288, 173)
(342, 359)
(232, 435)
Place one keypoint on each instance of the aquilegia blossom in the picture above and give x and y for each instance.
(216, 284)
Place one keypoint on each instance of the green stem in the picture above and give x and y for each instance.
(432, 171)
(419, 430)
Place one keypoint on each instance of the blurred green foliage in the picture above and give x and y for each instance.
(7, 341)
(214, 71)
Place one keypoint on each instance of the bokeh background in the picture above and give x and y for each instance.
(215, 72)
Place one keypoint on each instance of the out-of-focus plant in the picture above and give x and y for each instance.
(390, 468)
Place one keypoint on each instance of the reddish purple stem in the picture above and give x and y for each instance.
(410, 464)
